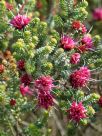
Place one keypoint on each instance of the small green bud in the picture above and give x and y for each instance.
(36, 14)
(97, 38)
(59, 52)
(80, 93)
(48, 65)
(53, 41)
(90, 111)
(27, 34)
(36, 20)
(19, 44)
(43, 24)
(84, 3)
(95, 96)
(48, 49)
(84, 122)
(35, 39)
(83, 11)
(31, 46)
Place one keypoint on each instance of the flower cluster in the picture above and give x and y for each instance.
(20, 21)
(67, 42)
(44, 85)
(79, 78)
(77, 112)
(77, 25)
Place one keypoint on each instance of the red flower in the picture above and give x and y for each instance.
(25, 90)
(44, 83)
(75, 58)
(67, 42)
(100, 101)
(45, 100)
(76, 25)
(20, 21)
(9, 6)
(77, 112)
(2, 68)
(21, 64)
(79, 78)
(26, 79)
(12, 102)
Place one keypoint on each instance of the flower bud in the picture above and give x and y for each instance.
(90, 111)
(84, 122)
(35, 39)
(95, 96)
(48, 65)
(83, 11)
(84, 3)
(53, 41)
(97, 38)
(80, 93)
(27, 34)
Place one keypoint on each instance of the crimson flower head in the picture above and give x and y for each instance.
(20, 21)
(67, 42)
(45, 100)
(25, 90)
(79, 78)
(77, 112)
(8, 6)
(97, 14)
(21, 64)
(100, 101)
(26, 79)
(76, 25)
(75, 58)
(12, 102)
(44, 83)
(87, 41)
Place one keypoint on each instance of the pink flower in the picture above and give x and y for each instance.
(75, 58)
(100, 101)
(20, 21)
(21, 64)
(44, 83)
(26, 79)
(67, 42)
(77, 112)
(87, 41)
(83, 29)
(79, 78)
(45, 100)
(9, 6)
(97, 14)
(25, 90)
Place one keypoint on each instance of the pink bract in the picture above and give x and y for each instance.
(67, 42)
(80, 78)
(97, 14)
(77, 112)
(75, 58)
(20, 21)
(44, 83)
